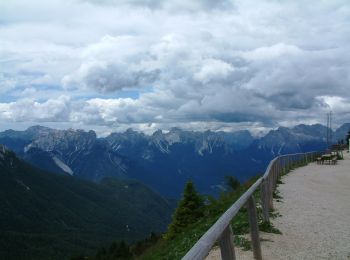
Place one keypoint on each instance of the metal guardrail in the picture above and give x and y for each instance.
(221, 231)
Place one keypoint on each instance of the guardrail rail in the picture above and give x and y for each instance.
(221, 231)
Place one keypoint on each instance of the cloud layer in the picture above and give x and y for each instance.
(156, 64)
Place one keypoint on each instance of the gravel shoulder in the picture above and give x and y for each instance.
(315, 215)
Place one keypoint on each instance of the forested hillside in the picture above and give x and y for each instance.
(49, 216)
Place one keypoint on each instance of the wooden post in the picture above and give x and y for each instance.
(280, 167)
(226, 244)
(264, 200)
(276, 174)
(254, 229)
(270, 191)
(273, 175)
(286, 164)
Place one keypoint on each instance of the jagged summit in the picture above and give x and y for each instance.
(63, 139)
(38, 128)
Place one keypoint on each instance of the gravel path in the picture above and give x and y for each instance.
(315, 219)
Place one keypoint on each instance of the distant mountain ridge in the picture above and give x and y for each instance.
(164, 160)
(50, 216)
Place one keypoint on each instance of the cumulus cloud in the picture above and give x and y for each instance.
(213, 70)
(52, 110)
(220, 63)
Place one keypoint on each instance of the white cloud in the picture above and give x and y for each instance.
(278, 50)
(190, 62)
(52, 110)
(213, 70)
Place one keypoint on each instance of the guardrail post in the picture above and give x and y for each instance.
(273, 176)
(226, 244)
(254, 229)
(264, 200)
(285, 165)
(278, 168)
(276, 175)
(270, 191)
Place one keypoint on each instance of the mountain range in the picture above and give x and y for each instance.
(163, 160)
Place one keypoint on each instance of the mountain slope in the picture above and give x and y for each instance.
(49, 216)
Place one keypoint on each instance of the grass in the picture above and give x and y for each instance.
(277, 195)
(269, 228)
(243, 243)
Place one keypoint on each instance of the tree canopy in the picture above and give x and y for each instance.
(190, 209)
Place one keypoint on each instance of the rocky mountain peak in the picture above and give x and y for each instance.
(63, 140)
(38, 128)
(159, 132)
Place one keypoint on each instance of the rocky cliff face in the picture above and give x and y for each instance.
(73, 152)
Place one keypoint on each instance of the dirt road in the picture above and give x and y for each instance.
(315, 219)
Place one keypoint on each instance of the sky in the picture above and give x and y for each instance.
(109, 65)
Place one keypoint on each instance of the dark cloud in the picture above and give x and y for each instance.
(291, 100)
(114, 77)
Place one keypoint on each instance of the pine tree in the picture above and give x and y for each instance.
(190, 209)
(232, 182)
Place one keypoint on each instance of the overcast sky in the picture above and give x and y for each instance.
(109, 65)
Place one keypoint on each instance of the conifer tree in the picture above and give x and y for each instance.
(232, 182)
(190, 209)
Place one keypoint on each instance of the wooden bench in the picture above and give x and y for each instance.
(327, 158)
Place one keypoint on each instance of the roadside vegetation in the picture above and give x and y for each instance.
(194, 215)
